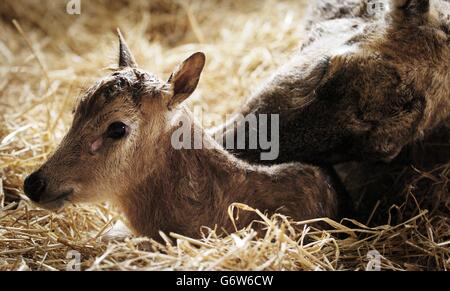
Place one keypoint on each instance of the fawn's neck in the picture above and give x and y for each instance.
(185, 188)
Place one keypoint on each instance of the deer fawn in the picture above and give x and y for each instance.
(372, 77)
(120, 149)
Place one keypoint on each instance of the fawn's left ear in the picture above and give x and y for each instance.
(412, 11)
(185, 78)
(126, 58)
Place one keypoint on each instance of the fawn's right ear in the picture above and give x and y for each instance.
(126, 58)
(185, 78)
(410, 11)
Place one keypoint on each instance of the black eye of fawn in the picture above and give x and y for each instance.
(117, 130)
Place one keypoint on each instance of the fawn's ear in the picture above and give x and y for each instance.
(412, 11)
(185, 78)
(126, 58)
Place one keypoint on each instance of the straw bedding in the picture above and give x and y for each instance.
(48, 56)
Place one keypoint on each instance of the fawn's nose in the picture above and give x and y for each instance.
(34, 186)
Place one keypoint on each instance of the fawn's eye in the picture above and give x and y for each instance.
(117, 130)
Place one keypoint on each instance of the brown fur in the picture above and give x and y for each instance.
(156, 186)
(362, 86)
(197, 186)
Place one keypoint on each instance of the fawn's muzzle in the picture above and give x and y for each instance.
(34, 186)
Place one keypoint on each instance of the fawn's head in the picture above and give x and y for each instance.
(116, 127)
(377, 89)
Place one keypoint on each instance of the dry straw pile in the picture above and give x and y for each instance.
(47, 56)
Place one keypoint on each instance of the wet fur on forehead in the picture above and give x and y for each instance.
(131, 83)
